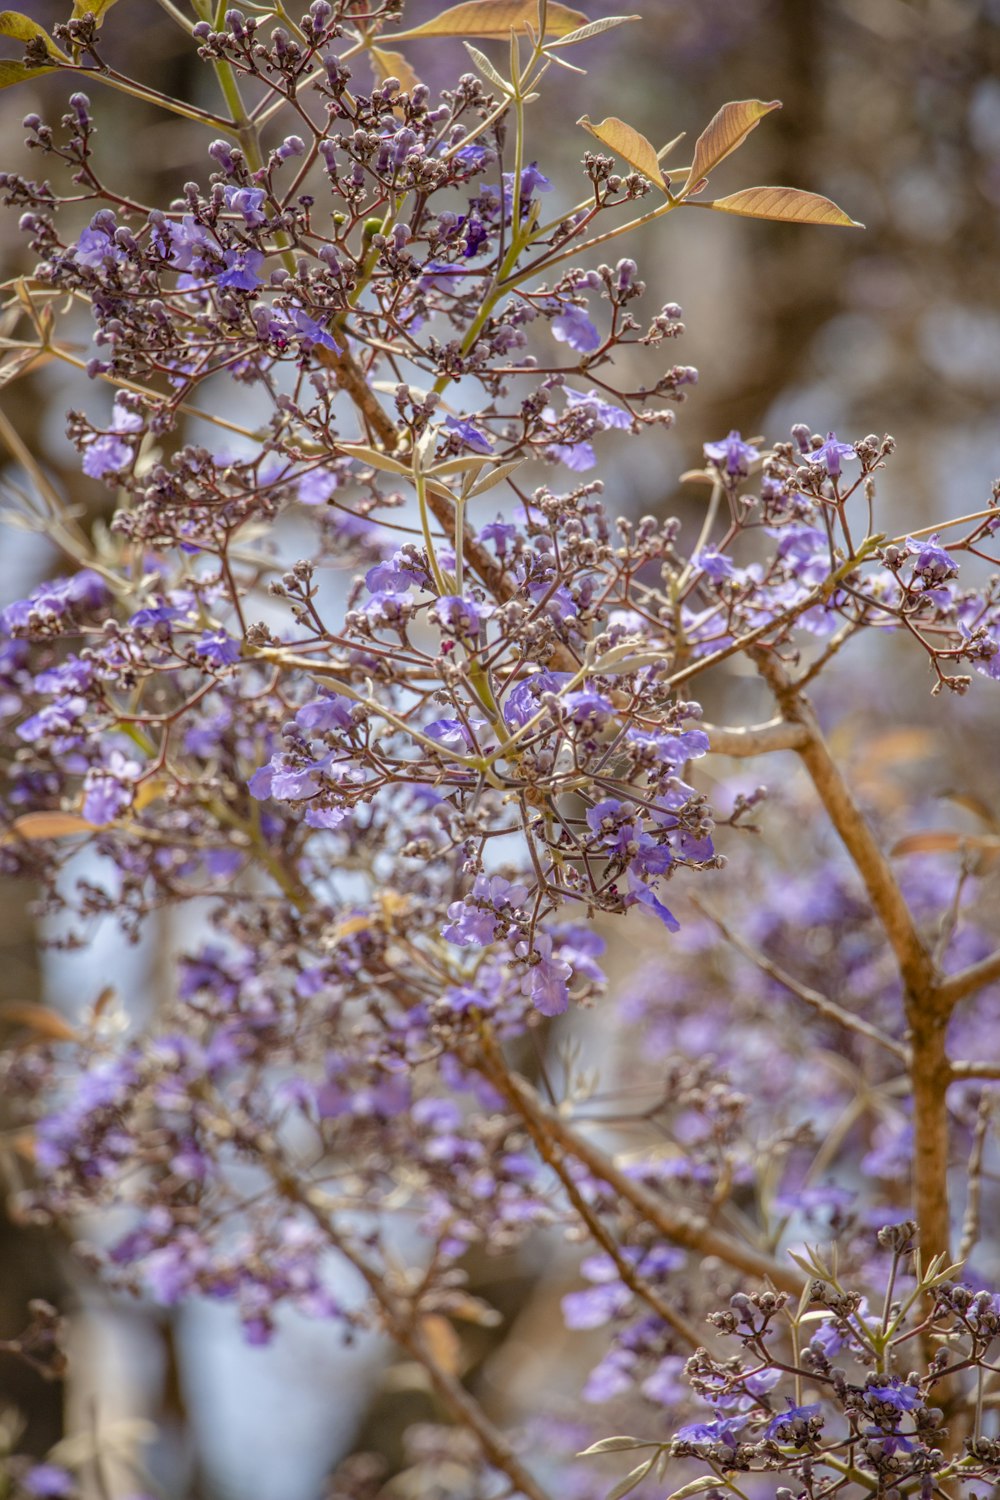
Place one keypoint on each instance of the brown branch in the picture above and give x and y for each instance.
(820, 1003)
(552, 1153)
(915, 964)
(401, 1320)
(689, 1231)
(755, 739)
(967, 981)
(926, 1015)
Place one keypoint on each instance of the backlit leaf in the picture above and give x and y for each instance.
(942, 841)
(627, 143)
(496, 19)
(790, 205)
(593, 28)
(47, 825)
(487, 69)
(47, 1023)
(724, 132)
(388, 64)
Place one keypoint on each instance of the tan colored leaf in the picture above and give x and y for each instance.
(723, 133)
(442, 1342)
(943, 841)
(496, 19)
(387, 64)
(627, 143)
(975, 805)
(593, 28)
(46, 825)
(791, 205)
(39, 1018)
(484, 66)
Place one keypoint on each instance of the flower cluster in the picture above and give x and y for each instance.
(377, 679)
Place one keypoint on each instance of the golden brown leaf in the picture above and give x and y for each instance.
(496, 19)
(726, 130)
(628, 143)
(790, 205)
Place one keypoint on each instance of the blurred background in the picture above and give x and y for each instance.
(890, 107)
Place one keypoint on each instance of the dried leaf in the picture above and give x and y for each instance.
(723, 133)
(46, 825)
(790, 205)
(39, 1018)
(388, 64)
(976, 806)
(627, 143)
(943, 841)
(496, 19)
(442, 1342)
(593, 28)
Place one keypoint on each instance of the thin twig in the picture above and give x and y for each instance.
(820, 1003)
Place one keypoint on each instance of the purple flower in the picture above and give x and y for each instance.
(643, 895)
(603, 414)
(500, 533)
(189, 242)
(218, 648)
(108, 792)
(96, 248)
(315, 486)
(893, 1397)
(469, 434)
(794, 1425)
(440, 275)
(830, 453)
(242, 270)
(724, 1430)
(595, 1306)
(247, 201)
(474, 156)
(451, 733)
(533, 181)
(578, 457)
(455, 613)
(331, 711)
(589, 709)
(572, 326)
(715, 564)
(295, 320)
(934, 564)
(732, 453)
(48, 1479)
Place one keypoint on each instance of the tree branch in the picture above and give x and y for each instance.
(820, 1003)
(755, 739)
(690, 1231)
(967, 981)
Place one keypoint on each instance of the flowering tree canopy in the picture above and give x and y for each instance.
(366, 674)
